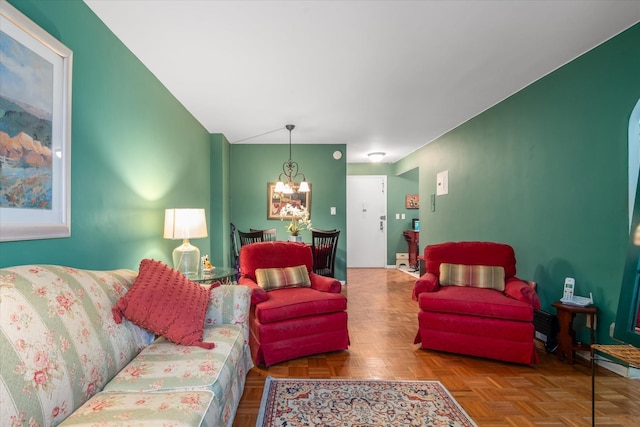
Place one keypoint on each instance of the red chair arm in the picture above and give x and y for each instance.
(325, 284)
(522, 291)
(427, 283)
(258, 294)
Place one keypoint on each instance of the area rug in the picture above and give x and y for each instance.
(295, 402)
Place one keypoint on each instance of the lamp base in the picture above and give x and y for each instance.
(186, 259)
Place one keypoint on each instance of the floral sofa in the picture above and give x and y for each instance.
(471, 302)
(66, 360)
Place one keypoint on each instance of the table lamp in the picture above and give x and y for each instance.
(185, 224)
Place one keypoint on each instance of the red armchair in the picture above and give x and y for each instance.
(292, 322)
(477, 321)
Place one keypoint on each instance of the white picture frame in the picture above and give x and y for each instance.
(47, 102)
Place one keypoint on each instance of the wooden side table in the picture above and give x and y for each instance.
(566, 335)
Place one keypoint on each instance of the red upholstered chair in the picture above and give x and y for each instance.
(473, 320)
(292, 322)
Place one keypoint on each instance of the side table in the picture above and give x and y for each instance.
(566, 335)
(225, 275)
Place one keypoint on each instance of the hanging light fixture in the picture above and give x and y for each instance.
(287, 180)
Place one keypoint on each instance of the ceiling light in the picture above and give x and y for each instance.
(376, 157)
(287, 180)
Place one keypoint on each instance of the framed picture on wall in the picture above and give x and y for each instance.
(276, 201)
(35, 140)
(412, 201)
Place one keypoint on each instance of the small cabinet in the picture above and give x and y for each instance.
(413, 239)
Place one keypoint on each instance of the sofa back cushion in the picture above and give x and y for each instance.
(470, 253)
(475, 276)
(59, 343)
(273, 255)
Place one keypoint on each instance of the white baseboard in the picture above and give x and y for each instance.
(623, 371)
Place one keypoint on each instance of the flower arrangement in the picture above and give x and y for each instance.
(299, 218)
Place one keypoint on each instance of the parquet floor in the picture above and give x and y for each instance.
(382, 326)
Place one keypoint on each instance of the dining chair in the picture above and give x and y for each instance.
(324, 244)
(249, 237)
(235, 250)
(268, 235)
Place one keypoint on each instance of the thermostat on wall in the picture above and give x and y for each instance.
(442, 181)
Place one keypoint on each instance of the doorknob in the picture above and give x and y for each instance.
(383, 217)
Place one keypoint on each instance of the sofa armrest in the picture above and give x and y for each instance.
(427, 283)
(522, 291)
(325, 284)
(229, 305)
(258, 294)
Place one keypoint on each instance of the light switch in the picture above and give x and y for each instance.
(333, 210)
(397, 216)
(403, 216)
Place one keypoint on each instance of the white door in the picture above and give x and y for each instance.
(367, 221)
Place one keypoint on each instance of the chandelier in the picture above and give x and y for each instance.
(287, 181)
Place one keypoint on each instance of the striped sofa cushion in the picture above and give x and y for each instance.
(477, 276)
(278, 278)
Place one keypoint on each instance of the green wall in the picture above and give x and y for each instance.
(546, 171)
(220, 231)
(254, 165)
(399, 185)
(135, 151)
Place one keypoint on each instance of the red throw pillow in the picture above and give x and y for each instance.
(163, 301)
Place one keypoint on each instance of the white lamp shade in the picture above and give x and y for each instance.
(304, 187)
(185, 224)
(287, 189)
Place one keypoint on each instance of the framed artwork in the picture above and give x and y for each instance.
(412, 201)
(276, 201)
(35, 130)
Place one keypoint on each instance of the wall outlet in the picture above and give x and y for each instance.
(397, 216)
(333, 210)
(404, 216)
(612, 328)
(589, 325)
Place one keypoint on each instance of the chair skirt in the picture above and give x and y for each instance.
(292, 338)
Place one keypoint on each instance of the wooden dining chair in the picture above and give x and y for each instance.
(324, 245)
(235, 251)
(268, 235)
(247, 238)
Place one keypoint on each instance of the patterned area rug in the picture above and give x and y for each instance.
(295, 402)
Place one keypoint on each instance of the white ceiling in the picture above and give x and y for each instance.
(376, 75)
